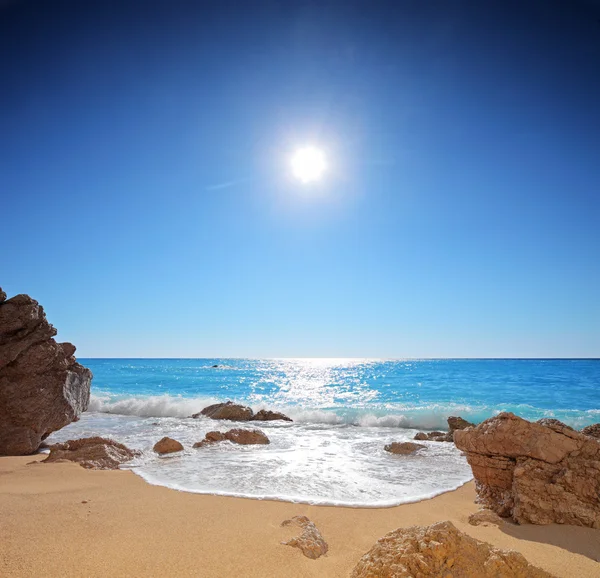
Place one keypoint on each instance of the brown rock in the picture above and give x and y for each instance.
(538, 473)
(485, 518)
(456, 423)
(440, 550)
(42, 387)
(167, 446)
(592, 430)
(237, 436)
(434, 436)
(267, 415)
(310, 542)
(403, 448)
(95, 453)
(229, 410)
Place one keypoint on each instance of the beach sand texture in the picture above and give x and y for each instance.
(61, 520)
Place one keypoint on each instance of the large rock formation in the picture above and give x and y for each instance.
(440, 550)
(237, 412)
(243, 437)
(538, 473)
(94, 453)
(311, 543)
(592, 430)
(42, 387)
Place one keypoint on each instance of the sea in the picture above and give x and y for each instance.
(344, 412)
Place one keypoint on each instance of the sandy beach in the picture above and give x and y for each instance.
(63, 520)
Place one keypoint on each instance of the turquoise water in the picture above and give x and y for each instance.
(344, 411)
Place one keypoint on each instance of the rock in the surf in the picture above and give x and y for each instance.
(454, 424)
(440, 550)
(592, 430)
(534, 472)
(42, 387)
(94, 453)
(311, 543)
(268, 415)
(237, 436)
(457, 423)
(403, 448)
(228, 410)
(167, 445)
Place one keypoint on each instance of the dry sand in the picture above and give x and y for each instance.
(63, 520)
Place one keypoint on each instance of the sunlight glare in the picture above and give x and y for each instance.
(308, 164)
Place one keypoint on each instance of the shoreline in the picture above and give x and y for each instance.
(63, 520)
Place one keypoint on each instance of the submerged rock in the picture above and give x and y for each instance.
(311, 543)
(537, 473)
(403, 448)
(440, 550)
(237, 436)
(167, 446)
(42, 387)
(228, 410)
(268, 415)
(95, 453)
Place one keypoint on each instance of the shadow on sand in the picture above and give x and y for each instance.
(575, 539)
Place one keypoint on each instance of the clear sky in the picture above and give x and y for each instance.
(147, 202)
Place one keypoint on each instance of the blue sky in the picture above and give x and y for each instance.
(147, 203)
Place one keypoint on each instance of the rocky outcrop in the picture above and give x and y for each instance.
(228, 410)
(236, 412)
(310, 542)
(440, 550)
(237, 436)
(95, 453)
(592, 430)
(268, 415)
(537, 473)
(42, 387)
(167, 446)
(403, 448)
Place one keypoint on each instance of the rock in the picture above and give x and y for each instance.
(440, 550)
(538, 473)
(592, 430)
(237, 436)
(403, 448)
(434, 436)
(215, 365)
(95, 453)
(457, 423)
(42, 387)
(485, 518)
(310, 542)
(267, 415)
(229, 410)
(167, 446)
(2, 295)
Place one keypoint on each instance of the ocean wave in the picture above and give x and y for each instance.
(433, 416)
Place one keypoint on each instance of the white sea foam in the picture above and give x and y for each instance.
(311, 462)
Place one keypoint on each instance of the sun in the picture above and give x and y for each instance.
(308, 164)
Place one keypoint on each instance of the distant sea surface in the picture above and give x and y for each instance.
(344, 412)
